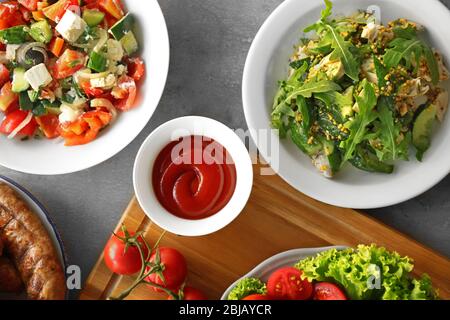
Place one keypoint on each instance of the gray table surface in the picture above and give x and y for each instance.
(209, 44)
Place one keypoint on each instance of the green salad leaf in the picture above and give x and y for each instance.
(246, 287)
(368, 273)
(366, 101)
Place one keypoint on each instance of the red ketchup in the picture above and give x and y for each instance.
(194, 177)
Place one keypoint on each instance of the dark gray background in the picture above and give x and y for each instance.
(209, 43)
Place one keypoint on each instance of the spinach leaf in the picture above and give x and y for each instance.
(366, 100)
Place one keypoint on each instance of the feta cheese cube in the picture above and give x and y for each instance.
(38, 76)
(11, 51)
(71, 26)
(98, 83)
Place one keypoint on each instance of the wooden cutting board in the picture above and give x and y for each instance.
(277, 218)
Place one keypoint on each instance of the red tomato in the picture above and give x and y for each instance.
(7, 97)
(125, 92)
(136, 68)
(10, 15)
(174, 269)
(29, 4)
(256, 297)
(113, 7)
(90, 91)
(49, 125)
(328, 291)
(4, 74)
(70, 62)
(14, 119)
(121, 261)
(86, 128)
(190, 293)
(57, 10)
(287, 284)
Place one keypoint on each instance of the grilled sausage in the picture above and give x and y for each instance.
(30, 248)
(9, 277)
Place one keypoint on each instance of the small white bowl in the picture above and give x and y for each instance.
(172, 131)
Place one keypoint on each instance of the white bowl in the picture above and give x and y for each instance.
(267, 63)
(172, 131)
(285, 259)
(51, 157)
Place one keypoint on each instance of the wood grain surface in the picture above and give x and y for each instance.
(277, 218)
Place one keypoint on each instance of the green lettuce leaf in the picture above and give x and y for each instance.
(368, 273)
(246, 287)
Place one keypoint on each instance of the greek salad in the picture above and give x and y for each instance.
(361, 92)
(67, 68)
(365, 273)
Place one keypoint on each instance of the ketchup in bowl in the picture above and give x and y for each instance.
(194, 177)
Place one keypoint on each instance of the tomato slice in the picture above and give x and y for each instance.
(10, 15)
(29, 4)
(4, 74)
(287, 284)
(57, 10)
(125, 92)
(7, 97)
(86, 128)
(328, 291)
(14, 119)
(256, 297)
(49, 125)
(136, 68)
(70, 62)
(112, 7)
(89, 90)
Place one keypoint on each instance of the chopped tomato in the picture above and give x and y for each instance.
(4, 74)
(86, 128)
(90, 91)
(57, 10)
(328, 291)
(49, 125)
(10, 15)
(14, 119)
(29, 4)
(70, 62)
(136, 68)
(56, 46)
(113, 7)
(287, 284)
(256, 297)
(7, 97)
(125, 92)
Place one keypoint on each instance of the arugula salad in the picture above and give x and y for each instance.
(361, 92)
(367, 272)
(67, 68)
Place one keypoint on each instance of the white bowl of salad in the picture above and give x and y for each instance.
(79, 80)
(357, 95)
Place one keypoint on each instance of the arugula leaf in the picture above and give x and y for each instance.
(410, 47)
(358, 127)
(325, 14)
(381, 71)
(394, 147)
(342, 51)
(306, 112)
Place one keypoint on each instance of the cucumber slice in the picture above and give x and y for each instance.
(41, 31)
(97, 62)
(93, 17)
(129, 43)
(422, 129)
(19, 82)
(122, 27)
